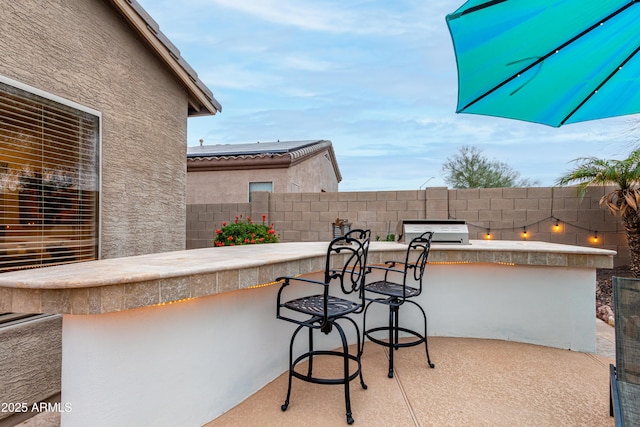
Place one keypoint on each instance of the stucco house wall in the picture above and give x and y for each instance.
(85, 52)
(230, 186)
(316, 174)
(222, 173)
(107, 56)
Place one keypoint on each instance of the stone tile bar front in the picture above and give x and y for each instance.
(119, 284)
(178, 338)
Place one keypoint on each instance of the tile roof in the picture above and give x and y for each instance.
(251, 149)
(201, 100)
(258, 155)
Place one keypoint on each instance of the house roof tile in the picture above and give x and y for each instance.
(258, 155)
(201, 100)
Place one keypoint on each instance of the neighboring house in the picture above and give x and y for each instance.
(230, 173)
(93, 107)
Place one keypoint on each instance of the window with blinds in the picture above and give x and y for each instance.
(48, 181)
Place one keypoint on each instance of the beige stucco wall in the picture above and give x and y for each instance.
(85, 52)
(311, 175)
(230, 186)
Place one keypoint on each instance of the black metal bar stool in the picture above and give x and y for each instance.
(341, 294)
(395, 291)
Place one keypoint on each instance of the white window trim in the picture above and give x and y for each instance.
(259, 182)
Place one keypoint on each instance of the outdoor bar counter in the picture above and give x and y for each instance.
(178, 338)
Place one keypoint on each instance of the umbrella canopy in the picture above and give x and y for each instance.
(547, 61)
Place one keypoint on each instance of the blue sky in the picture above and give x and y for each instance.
(376, 77)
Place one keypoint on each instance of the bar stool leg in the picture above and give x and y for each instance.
(310, 365)
(393, 337)
(360, 351)
(347, 396)
(364, 329)
(285, 405)
(426, 345)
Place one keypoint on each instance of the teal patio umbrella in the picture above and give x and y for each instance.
(547, 61)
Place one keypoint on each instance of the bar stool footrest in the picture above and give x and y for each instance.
(420, 338)
(316, 380)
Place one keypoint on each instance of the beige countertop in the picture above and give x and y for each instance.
(124, 283)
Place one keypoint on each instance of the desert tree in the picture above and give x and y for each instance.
(469, 168)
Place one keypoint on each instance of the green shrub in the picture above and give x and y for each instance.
(245, 232)
(388, 238)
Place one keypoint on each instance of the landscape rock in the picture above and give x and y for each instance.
(604, 297)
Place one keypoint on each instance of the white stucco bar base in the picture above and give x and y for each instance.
(179, 338)
(177, 365)
(549, 306)
(187, 363)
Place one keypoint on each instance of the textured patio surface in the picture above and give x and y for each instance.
(475, 383)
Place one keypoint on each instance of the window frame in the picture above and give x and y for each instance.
(76, 106)
(259, 182)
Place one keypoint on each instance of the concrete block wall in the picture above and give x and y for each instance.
(309, 216)
(505, 212)
(203, 220)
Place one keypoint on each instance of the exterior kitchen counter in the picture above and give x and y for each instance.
(197, 330)
(118, 284)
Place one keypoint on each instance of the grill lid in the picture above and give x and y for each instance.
(444, 230)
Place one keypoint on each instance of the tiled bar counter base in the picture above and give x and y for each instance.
(178, 338)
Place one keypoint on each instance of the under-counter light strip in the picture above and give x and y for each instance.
(171, 302)
(448, 262)
(468, 262)
(264, 285)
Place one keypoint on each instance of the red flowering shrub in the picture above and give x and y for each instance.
(245, 233)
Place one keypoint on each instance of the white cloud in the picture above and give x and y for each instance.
(300, 93)
(306, 64)
(333, 17)
(238, 77)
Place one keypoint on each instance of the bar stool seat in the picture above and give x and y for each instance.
(314, 305)
(392, 289)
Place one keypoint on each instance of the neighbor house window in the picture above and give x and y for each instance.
(48, 181)
(260, 186)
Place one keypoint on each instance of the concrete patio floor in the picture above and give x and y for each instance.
(475, 383)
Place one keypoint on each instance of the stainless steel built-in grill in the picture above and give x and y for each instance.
(444, 230)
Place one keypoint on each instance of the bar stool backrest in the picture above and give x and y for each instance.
(347, 261)
(416, 259)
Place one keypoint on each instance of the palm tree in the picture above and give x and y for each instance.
(623, 201)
